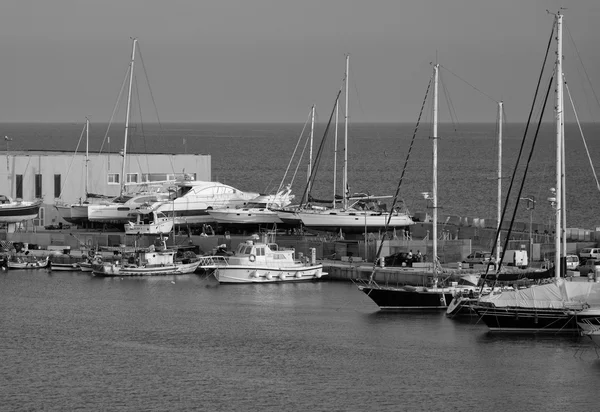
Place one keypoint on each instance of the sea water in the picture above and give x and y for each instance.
(71, 341)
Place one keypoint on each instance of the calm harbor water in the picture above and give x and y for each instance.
(70, 341)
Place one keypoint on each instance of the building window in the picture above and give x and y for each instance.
(57, 190)
(19, 188)
(38, 186)
(113, 179)
(132, 178)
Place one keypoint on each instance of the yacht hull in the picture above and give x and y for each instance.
(409, 298)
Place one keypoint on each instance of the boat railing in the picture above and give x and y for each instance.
(212, 262)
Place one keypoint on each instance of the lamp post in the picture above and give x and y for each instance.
(7, 139)
(530, 206)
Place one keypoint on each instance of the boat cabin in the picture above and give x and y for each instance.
(263, 251)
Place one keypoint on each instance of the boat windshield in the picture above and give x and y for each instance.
(122, 199)
(253, 205)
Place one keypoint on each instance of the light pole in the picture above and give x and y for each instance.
(7, 139)
(530, 206)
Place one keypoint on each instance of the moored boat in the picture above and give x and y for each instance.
(151, 261)
(263, 262)
(27, 262)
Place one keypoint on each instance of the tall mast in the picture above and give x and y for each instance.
(87, 151)
(434, 137)
(346, 194)
(310, 152)
(559, 122)
(127, 115)
(499, 211)
(337, 113)
(563, 186)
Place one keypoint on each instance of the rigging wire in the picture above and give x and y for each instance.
(525, 172)
(148, 82)
(294, 154)
(582, 136)
(518, 160)
(318, 157)
(115, 108)
(583, 66)
(451, 110)
(469, 84)
(72, 159)
(395, 200)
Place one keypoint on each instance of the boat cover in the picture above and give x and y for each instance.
(560, 294)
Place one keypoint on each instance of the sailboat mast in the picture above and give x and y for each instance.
(559, 122)
(346, 194)
(312, 135)
(87, 152)
(435, 160)
(563, 186)
(127, 115)
(335, 148)
(499, 206)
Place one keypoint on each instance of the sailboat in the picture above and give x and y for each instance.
(364, 213)
(120, 209)
(558, 306)
(77, 213)
(434, 295)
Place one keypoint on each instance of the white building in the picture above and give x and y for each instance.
(61, 176)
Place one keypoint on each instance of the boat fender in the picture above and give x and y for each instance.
(252, 258)
(318, 274)
(254, 274)
(268, 276)
(298, 275)
(282, 276)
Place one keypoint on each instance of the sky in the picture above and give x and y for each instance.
(270, 60)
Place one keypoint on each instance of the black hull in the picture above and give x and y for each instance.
(529, 320)
(401, 299)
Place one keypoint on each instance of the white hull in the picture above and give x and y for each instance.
(149, 229)
(267, 274)
(109, 269)
(28, 265)
(356, 219)
(65, 267)
(109, 213)
(245, 216)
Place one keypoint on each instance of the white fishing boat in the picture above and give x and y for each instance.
(261, 262)
(260, 210)
(195, 198)
(151, 261)
(15, 211)
(149, 222)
